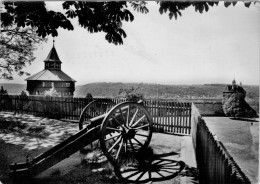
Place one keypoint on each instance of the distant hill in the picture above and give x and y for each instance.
(104, 89)
(13, 89)
(158, 90)
(153, 91)
(195, 93)
(99, 89)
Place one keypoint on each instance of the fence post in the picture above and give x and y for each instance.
(168, 116)
(234, 177)
(190, 116)
(226, 171)
(15, 105)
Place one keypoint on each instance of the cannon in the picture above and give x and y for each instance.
(121, 129)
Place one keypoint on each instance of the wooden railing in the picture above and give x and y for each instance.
(215, 164)
(168, 116)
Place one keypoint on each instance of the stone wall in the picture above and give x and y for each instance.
(210, 108)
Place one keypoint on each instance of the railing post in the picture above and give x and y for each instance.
(15, 105)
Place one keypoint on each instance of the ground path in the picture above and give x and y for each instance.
(25, 136)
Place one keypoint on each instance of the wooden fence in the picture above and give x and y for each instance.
(168, 116)
(214, 162)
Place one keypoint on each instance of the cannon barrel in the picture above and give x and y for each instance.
(60, 151)
(81, 139)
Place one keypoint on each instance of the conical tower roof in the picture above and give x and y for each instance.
(53, 55)
(52, 71)
(234, 82)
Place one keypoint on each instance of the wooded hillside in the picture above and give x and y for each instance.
(161, 91)
(153, 91)
(103, 89)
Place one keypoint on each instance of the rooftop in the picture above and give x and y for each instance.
(234, 88)
(53, 56)
(50, 75)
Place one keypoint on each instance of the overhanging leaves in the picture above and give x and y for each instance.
(35, 15)
(101, 17)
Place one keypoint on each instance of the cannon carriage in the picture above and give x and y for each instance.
(122, 129)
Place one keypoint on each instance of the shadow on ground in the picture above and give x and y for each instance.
(157, 168)
(160, 168)
(244, 119)
(34, 132)
(23, 135)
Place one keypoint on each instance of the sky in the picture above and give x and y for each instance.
(214, 47)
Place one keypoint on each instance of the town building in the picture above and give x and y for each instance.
(233, 89)
(51, 77)
(234, 103)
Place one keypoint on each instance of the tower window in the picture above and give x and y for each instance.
(67, 84)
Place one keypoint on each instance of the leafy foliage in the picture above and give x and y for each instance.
(101, 17)
(3, 92)
(131, 94)
(34, 15)
(47, 108)
(35, 106)
(139, 6)
(236, 107)
(23, 24)
(4, 99)
(22, 103)
(175, 8)
(96, 17)
(89, 96)
(16, 50)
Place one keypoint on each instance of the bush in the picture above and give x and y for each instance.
(5, 101)
(131, 94)
(47, 109)
(52, 110)
(23, 100)
(237, 107)
(35, 106)
(3, 92)
(89, 96)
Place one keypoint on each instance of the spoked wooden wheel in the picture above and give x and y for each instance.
(125, 130)
(94, 109)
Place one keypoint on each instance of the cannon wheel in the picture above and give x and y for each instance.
(127, 128)
(94, 109)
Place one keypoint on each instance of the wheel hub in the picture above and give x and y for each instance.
(128, 133)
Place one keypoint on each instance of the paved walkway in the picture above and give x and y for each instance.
(241, 139)
(173, 159)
